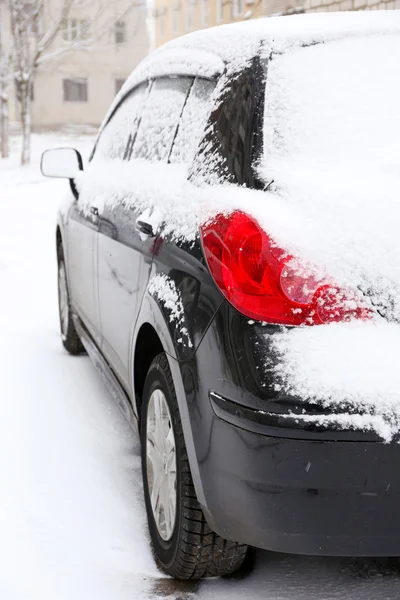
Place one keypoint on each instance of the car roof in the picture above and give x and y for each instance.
(235, 44)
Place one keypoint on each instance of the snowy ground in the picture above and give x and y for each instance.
(72, 519)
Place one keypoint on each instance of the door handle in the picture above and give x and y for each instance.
(145, 228)
(94, 210)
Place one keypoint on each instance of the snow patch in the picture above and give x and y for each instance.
(351, 367)
(72, 515)
(163, 288)
(143, 186)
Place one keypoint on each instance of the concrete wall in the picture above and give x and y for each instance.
(333, 5)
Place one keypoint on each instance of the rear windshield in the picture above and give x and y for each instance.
(335, 102)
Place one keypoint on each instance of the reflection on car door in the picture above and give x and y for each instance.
(124, 258)
(82, 267)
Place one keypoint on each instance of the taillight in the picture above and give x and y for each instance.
(265, 283)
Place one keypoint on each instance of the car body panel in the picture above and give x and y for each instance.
(261, 475)
(153, 313)
(184, 265)
(82, 267)
(124, 269)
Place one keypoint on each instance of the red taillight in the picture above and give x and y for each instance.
(265, 283)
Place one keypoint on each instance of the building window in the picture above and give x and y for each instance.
(189, 15)
(118, 85)
(33, 18)
(204, 13)
(174, 19)
(220, 11)
(161, 24)
(237, 8)
(120, 32)
(75, 90)
(75, 30)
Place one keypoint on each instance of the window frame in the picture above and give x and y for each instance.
(152, 82)
(238, 7)
(161, 21)
(77, 81)
(149, 83)
(34, 26)
(195, 80)
(120, 32)
(114, 112)
(220, 11)
(189, 16)
(175, 18)
(76, 30)
(204, 12)
(218, 131)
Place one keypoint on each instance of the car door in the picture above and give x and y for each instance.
(82, 266)
(124, 254)
(176, 258)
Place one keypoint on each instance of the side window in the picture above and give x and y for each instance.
(192, 122)
(231, 147)
(160, 118)
(122, 125)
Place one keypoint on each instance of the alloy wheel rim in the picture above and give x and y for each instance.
(161, 464)
(63, 300)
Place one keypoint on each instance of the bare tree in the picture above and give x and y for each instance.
(28, 50)
(5, 71)
(32, 49)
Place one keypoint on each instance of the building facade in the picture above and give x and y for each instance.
(173, 18)
(94, 52)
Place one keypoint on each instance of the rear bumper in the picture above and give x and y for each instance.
(269, 481)
(299, 496)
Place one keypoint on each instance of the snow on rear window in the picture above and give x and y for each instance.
(332, 150)
(335, 101)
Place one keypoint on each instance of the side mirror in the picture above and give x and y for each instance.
(61, 162)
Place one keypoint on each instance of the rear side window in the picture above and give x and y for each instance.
(160, 118)
(122, 125)
(192, 122)
(233, 142)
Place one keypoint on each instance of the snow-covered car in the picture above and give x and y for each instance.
(230, 260)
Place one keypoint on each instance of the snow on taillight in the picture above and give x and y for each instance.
(265, 283)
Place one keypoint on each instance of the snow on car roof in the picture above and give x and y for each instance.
(232, 45)
(230, 41)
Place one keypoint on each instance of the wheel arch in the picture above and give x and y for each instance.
(148, 346)
(152, 322)
(58, 238)
(61, 243)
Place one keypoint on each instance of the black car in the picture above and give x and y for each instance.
(178, 300)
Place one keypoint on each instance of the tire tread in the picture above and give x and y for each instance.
(201, 552)
(72, 342)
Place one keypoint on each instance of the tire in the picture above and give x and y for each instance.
(69, 337)
(188, 548)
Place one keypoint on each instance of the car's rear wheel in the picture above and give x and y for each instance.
(69, 336)
(184, 545)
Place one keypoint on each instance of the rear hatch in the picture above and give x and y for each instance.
(329, 219)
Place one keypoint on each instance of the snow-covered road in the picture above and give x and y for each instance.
(72, 522)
